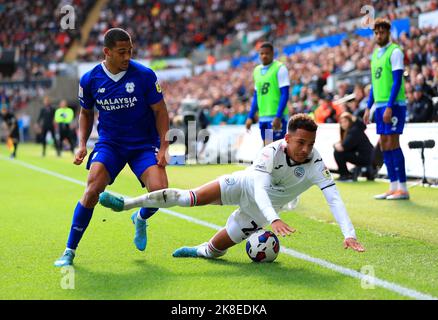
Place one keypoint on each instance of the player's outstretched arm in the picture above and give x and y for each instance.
(339, 211)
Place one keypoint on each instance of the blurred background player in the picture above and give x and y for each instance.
(133, 122)
(11, 126)
(282, 171)
(64, 117)
(271, 93)
(388, 93)
(45, 124)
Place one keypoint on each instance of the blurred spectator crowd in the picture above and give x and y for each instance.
(176, 27)
(33, 28)
(223, 94)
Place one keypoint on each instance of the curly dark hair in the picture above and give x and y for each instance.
(382, 23)
(301, 121)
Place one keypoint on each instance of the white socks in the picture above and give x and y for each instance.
(393, 186)
(163, 199)
(207, 250)
(402, 186)
(397, 185)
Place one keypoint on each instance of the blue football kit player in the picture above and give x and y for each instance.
(388, 93)
(132, 125)
(271, 93)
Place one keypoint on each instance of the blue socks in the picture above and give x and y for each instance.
(398, 161)
(389, 162)
(81, 219)
(146, 213)
(395, 165)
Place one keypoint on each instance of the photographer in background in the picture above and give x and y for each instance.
(354, 147)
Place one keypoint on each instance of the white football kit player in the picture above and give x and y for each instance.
(273, 181)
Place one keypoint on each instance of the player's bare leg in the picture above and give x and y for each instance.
(209, 193)
(98, 179)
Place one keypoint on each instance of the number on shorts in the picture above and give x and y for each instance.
(248, 231)
(394, 121)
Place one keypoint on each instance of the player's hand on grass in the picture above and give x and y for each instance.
(353, 244)
(282, 229)
(366, 116)
(80, 155)
(387, 115)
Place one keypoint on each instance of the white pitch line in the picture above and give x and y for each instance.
(323, 263)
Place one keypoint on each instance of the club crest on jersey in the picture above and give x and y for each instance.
(130, 87)
(299, 172)
(230, 181)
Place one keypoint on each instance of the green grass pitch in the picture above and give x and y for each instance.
(36, 209)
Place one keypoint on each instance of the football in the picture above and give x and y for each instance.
(263, 246)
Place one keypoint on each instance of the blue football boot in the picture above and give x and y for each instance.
(140, 238)
(111, 201)
(186, 252)
(66, 259)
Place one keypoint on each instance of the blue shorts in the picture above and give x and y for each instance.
(397, 121)
(114, 157)
(277, 135)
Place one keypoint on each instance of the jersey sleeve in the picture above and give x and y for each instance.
(283, 77)
(321, 176)
(86, 99)
(339, 212)
(264, 161)
(397, 60)
(262, 180)
(153, 90)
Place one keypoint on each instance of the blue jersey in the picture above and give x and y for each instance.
(124, 104)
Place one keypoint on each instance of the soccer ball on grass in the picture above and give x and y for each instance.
(263, 246)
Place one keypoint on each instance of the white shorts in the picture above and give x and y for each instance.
(247, 219)
(241, 225)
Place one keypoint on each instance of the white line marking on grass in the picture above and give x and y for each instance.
(323, 263)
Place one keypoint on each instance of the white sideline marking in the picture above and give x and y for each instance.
(323, 263)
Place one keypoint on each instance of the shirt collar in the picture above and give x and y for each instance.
(114, 77)
(292, 163)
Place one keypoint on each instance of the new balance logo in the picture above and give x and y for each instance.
(101, 90)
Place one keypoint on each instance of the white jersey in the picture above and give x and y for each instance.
(289, 179)
(274, 180)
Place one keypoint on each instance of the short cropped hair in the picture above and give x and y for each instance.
(301, 121)
(267, 45)
(113, 35)
(382, 23)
